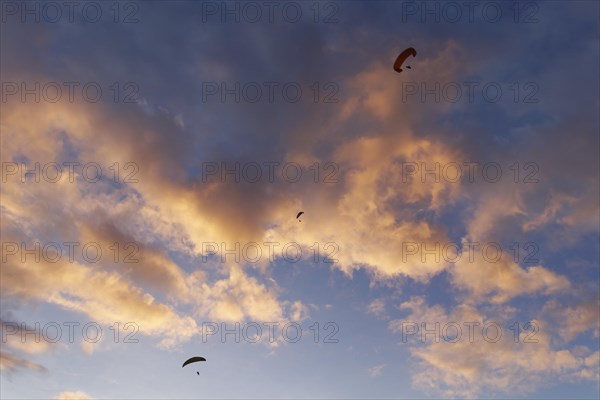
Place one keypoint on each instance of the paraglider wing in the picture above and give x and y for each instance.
(299, 214)
(193, 360)
(402, 57)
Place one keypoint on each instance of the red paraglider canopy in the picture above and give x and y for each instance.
(402, 57)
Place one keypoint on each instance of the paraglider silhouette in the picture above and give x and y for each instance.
(402, 57)
(299, 214)
(193, 360)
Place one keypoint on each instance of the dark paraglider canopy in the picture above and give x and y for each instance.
(193, 360)
(402, 57)
(299, 214)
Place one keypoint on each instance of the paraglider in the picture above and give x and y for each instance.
(299, 214)
(193, 360)
(402, 57)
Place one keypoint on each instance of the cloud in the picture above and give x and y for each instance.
(11, 363)
(500, 274)
(376, 370)
(239, 296)
(102, 296)
(375, 210)
(377, 308)
(76, 395)
(571, 321)
(473, 366)
(24, 338)
(299, 311)
(368, 214)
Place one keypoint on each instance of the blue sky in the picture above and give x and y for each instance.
(174, 95)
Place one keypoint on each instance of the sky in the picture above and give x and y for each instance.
(155, 156)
